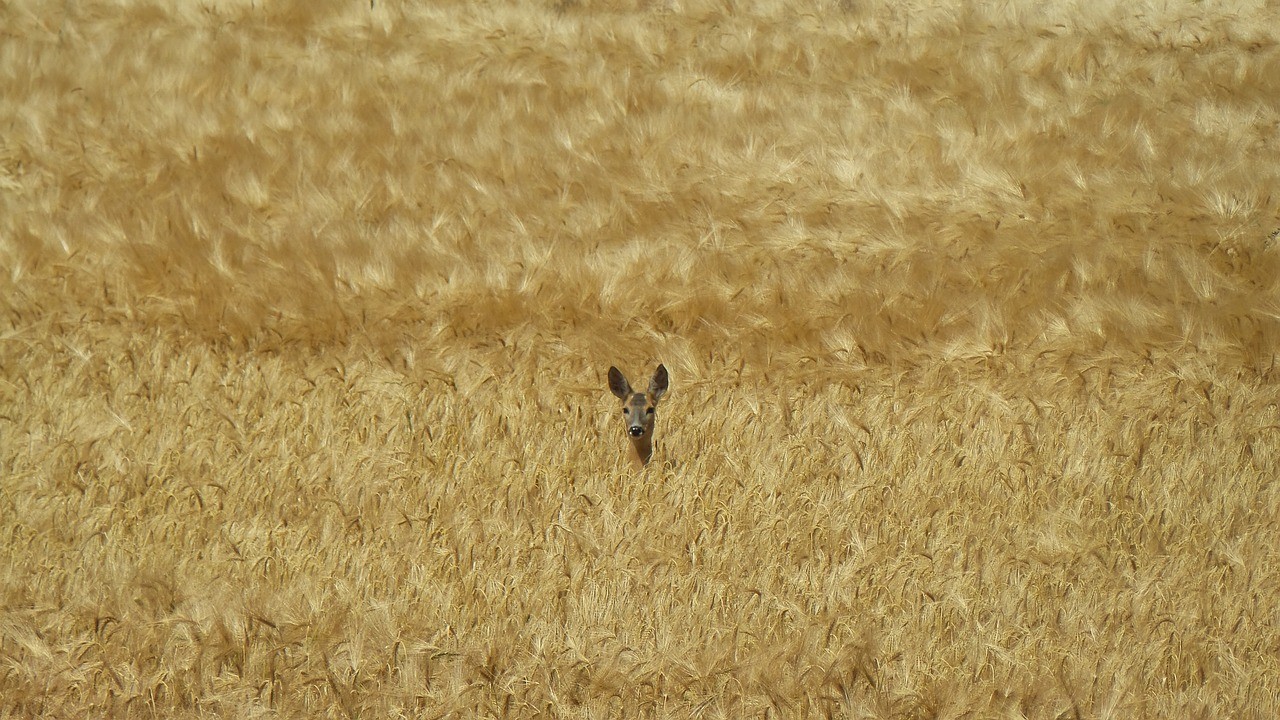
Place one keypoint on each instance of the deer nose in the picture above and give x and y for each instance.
(635, 430)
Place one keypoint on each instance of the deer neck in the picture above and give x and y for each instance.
(643, 448)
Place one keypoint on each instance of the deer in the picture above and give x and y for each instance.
(638, 410)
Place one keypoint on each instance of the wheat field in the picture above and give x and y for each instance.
(971, 315)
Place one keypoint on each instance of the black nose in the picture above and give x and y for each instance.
(636, 431)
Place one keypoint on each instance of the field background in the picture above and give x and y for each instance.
(971, 313)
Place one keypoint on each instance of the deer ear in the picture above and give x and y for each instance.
(618, 384)
(658, 385)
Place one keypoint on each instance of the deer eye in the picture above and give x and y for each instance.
(650, 411)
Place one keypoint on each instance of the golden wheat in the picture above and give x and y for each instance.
(971, 317)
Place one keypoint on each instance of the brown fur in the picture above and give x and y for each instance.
(639, 410)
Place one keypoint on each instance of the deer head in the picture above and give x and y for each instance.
(638, 409)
